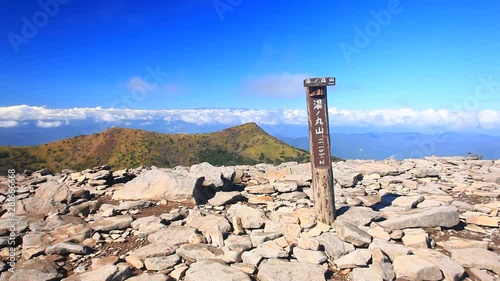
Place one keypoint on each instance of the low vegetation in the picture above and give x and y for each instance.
(123, 148)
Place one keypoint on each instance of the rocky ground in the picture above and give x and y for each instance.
(417, 219)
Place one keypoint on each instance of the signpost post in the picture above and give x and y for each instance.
(319, 139)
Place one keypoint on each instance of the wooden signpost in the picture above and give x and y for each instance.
(319, 139)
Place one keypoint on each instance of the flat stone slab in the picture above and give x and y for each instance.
(364, 274)
(451, 269)
(153, 250)
(149, 277)
(358, 258)
(484, 221)
(407, 202)
(382, 264)
(446, 216)
(112, 223)
(352, 234)
(392, 250)
(281, 270)
(209, 270)
(44, 270)
(477, 258)
(270, 249)
(172, 235)
(224, 198)
(67, 248)
(359, 215)
(198, 252)
(411, 267)
(455, 243)
(334, 247)
(159, 184)
(310, 256)
(107, 272)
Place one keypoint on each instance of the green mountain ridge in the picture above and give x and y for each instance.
(127, 148)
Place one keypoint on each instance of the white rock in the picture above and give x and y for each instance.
(352, 234)
(446, 216)
(206, 270)
(413, 267)
(382, 265)
(271, 250)
(198, 252)
(407, 202)
(334, 247)
(451, 270)
(358, 258)
(223, 198)
(363, 274)
(172, 235)
(250, 217)
(309, 256)
(251, 258)
(281, 270)
(392, 250)
(159, 184)
(477, 258)
(218, 176)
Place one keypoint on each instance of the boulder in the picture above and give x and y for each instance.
(352, 234)
(334, 247)
(49, 197)
(250, 217)
(217, 176)
(159, 184)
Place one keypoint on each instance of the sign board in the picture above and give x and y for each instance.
(319, 137)
(319, 132)
(318, 82)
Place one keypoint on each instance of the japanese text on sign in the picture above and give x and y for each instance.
(321, 152)
(317, 82)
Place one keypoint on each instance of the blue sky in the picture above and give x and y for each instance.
(226, 54)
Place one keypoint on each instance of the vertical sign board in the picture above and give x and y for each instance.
(319, 139)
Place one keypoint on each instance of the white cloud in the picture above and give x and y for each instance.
(8, 123)
(48, 124)
(490, 119)
(277, 85)
(404, 117)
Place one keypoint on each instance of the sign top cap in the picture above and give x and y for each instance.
(318, 82)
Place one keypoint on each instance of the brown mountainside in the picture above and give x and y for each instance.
(123, 148)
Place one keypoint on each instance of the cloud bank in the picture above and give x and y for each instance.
(13, 116)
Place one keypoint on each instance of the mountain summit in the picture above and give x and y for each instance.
(122, 148)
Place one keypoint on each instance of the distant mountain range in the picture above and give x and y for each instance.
(122, 148)
(407, 145)
(347, 142)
